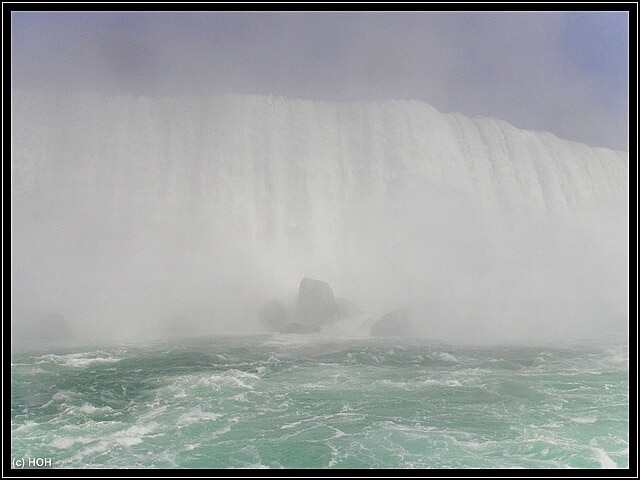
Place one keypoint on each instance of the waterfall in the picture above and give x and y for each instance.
(130, 207)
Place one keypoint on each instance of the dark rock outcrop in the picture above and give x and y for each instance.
(398, 323)
(315, 306)
(316, 303)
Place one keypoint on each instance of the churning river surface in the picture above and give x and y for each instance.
(287, 401)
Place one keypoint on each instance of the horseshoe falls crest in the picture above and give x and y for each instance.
(136, 216)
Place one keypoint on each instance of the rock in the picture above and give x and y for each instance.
(394, 324)
(274, 316)
(316, 304)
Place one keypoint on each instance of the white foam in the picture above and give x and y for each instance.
(156, 409)
(126, 438)
(620, 356)
(128, 441)
(134, 435)
(65, 443)
(196, 416)
(603, 459)
(240, 383)
(242, 374)
(415, 431)
(62, 395)
(79, 360)
(90, 409)
(180, 394)
(35, 371)
(442, 383)
(233, 377)
(26, 426)
(588, 419)
(291, 425)
(446, 356)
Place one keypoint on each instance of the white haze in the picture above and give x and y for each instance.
(531, 69)
(134, 217)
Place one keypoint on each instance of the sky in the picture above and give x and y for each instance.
(566, 73)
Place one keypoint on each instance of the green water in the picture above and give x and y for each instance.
(308, 402)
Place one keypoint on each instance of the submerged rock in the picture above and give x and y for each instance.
(398, 323)
(316, 303)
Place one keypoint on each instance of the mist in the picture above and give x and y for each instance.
(137, 218)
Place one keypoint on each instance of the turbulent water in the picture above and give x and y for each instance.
(311, 402)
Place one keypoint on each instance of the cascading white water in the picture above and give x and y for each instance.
(127, 209)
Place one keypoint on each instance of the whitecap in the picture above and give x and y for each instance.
(133, 435)
(180, 394)
(90, 409)
(232, 376)
(196, 416)
(446, 356)
(603, 459)
(35, 371)
(79, 360)
(240, 383)
(128, 441)
(584, 419)
(290, 425)
(63, 443)
(443, 383)
(26, 425)
(242, 374)
(62, 395)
